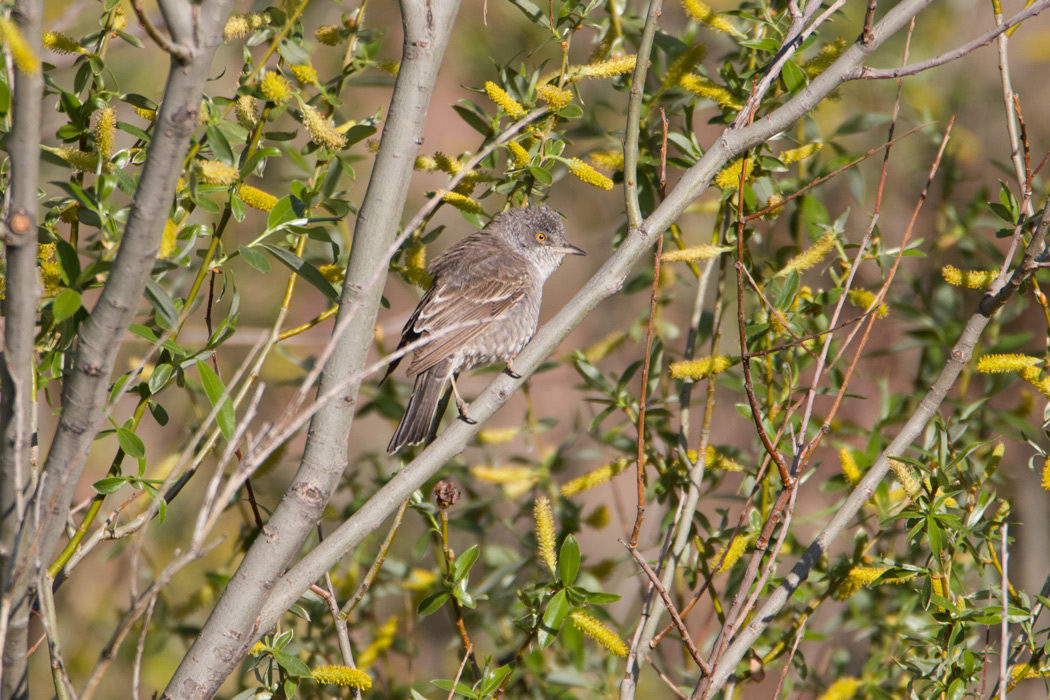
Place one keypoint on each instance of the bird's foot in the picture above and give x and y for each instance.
(510, 370)
(461, 405)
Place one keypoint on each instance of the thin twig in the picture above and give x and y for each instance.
(704, 667)
(1004, 629)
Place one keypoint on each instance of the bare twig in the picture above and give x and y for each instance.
(865, 73)
(705, 668)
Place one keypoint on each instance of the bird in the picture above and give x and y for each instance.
(482, 307)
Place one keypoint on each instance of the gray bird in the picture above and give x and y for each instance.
(482, 306)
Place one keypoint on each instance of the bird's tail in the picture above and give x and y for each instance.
(422, 408)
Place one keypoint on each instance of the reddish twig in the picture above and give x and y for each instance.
(704, 667)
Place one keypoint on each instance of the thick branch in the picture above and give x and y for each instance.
(86, 389)
(234, 624)
(17, 408)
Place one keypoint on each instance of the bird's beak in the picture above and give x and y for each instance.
(570, 249)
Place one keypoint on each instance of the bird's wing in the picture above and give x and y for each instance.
(467, 301)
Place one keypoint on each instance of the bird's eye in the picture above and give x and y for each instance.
(541, 236)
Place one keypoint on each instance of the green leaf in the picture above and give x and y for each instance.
(66, 304)
(541, 175)
(460, 688)
(214, 388)
(111, 484)
(553, 617)
(161, 375)
(305, 270)
(220, 147)
(432, 603)
(254, 258)
(167, 316)
(473, 120)
(569, 561)
(492, 679)
(131, 443)
(463, 562)
(291, 664)
(794, 77)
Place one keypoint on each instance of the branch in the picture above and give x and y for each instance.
(983, 40)
(17, 408)
(86, 389)
(233, 624)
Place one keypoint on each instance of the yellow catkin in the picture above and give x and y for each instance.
(850, 470)
(599, 633)
(1033, 376)
(557, 98)
(1008, 362)
(504, 101)
(120, 18)
(426, 163)
(275, 87)
(105, 128)
(589, 175)
(828, 53)
(240, 26)
(497, 436)
(603, 347)
(1023, 672)
(700, 252)
(390, 67)
(801, 153)
(605, 69)
(734, 550)
(519, 156)
(342, 675)
(304, 73)
(333, 273)
(811, 256)
(971, 279)
(321, 130)
(384, 639)
(80, 160)
(50, 272)
(503, 475)
(327, 34)
(701, 368)
(702, 13)
(683, 65)
(256, 198)
(147, 114)
(15, 42)
(608, 160)
(713, 459)
(703, 87)
(60, 43)
(906, 478)
(773, 204)
(545, 536)
(447, 163)
(419, 580)
(595, 477)
(462, 202)
(169, 240)
(599, 518)
(213, 172)
(1046, 475)
(729, 177)
(842, 689)
(863, 299)
(257, 648)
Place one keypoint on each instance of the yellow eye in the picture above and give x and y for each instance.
(541, 236)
